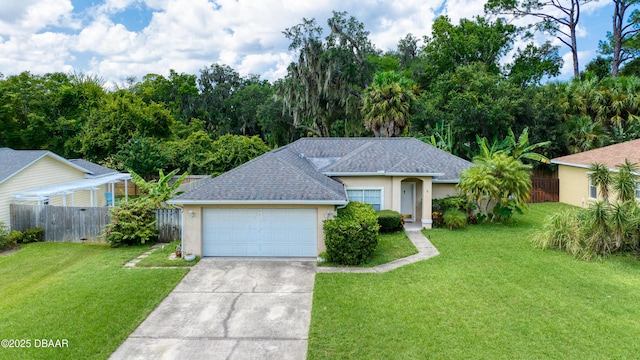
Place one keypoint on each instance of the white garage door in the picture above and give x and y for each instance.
(259, 232)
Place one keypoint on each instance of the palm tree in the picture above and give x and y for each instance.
(624, 182)
(386, 104)
(584, 134)
(601, 179)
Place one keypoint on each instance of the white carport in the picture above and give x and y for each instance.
(42, 194)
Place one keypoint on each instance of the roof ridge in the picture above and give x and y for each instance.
(367, 144)
(299, 171)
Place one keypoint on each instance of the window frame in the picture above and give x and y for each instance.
(592, 188)
(363, 189)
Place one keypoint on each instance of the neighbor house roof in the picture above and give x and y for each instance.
(94, 169)
(610, 156)
(14, 161)
(302, 171)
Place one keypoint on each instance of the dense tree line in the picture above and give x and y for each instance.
(455, 85)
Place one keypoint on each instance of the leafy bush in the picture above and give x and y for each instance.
(352, 236)
(132, 223)
(389, 220)
(458, 202)
(4, 236)
(14, 238)
(32, 235)
(455, 219)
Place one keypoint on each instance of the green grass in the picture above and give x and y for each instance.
(488, 295)
(78, 292)
(160, 257)
(391, 246)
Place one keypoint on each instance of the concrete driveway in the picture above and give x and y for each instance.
(230, 309)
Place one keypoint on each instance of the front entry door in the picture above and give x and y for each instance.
(408, 200)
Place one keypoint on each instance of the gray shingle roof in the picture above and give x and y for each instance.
(301, 170)
(279, 175)
(375, 155)
(12, 161)
(93, 168)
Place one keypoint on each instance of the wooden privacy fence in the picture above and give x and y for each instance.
(545, 190)
(79, 224)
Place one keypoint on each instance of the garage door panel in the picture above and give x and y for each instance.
(259, 232)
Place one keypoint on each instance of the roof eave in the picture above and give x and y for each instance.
(570, 164)
(381, 173)
(257, 202)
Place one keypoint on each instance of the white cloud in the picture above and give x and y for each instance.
(47, 35)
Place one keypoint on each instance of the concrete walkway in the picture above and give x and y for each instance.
(425, 248)
(230, 309)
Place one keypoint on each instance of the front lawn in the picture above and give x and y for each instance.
(488, 295)
(79, 293)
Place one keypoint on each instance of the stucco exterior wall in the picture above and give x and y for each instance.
(45, 171)
(444, 190)
(193, 227)
(373, 182)
(574, 185)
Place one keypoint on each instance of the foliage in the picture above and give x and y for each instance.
(134, 222)
(455, 219)
(623, 42)
(391, 246)
(604, 227)
(231, 151)
(352, 236)
(146, 156)
(32, 235)
(158, 192)
(500, 181)
(559, 19)
(15, 237)
(386, 104)
(4, 236)
(323, 85)
(389, 220)
(473, 41)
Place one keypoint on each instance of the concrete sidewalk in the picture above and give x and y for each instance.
(425, 248)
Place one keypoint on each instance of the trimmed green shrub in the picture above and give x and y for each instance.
(33, 235)
(352, 236)
(14, 238)
(455, 219)
(132, 223)
(4, 236)
(389, 221)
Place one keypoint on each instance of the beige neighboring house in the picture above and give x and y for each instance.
(573, 170)
(40, 177)
(275, 204)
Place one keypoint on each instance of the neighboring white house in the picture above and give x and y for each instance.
(42, 177)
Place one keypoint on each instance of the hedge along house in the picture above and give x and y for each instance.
(275, 204)
(576, 187)
(40, 177)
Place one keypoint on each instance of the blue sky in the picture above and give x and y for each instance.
(115, 39)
